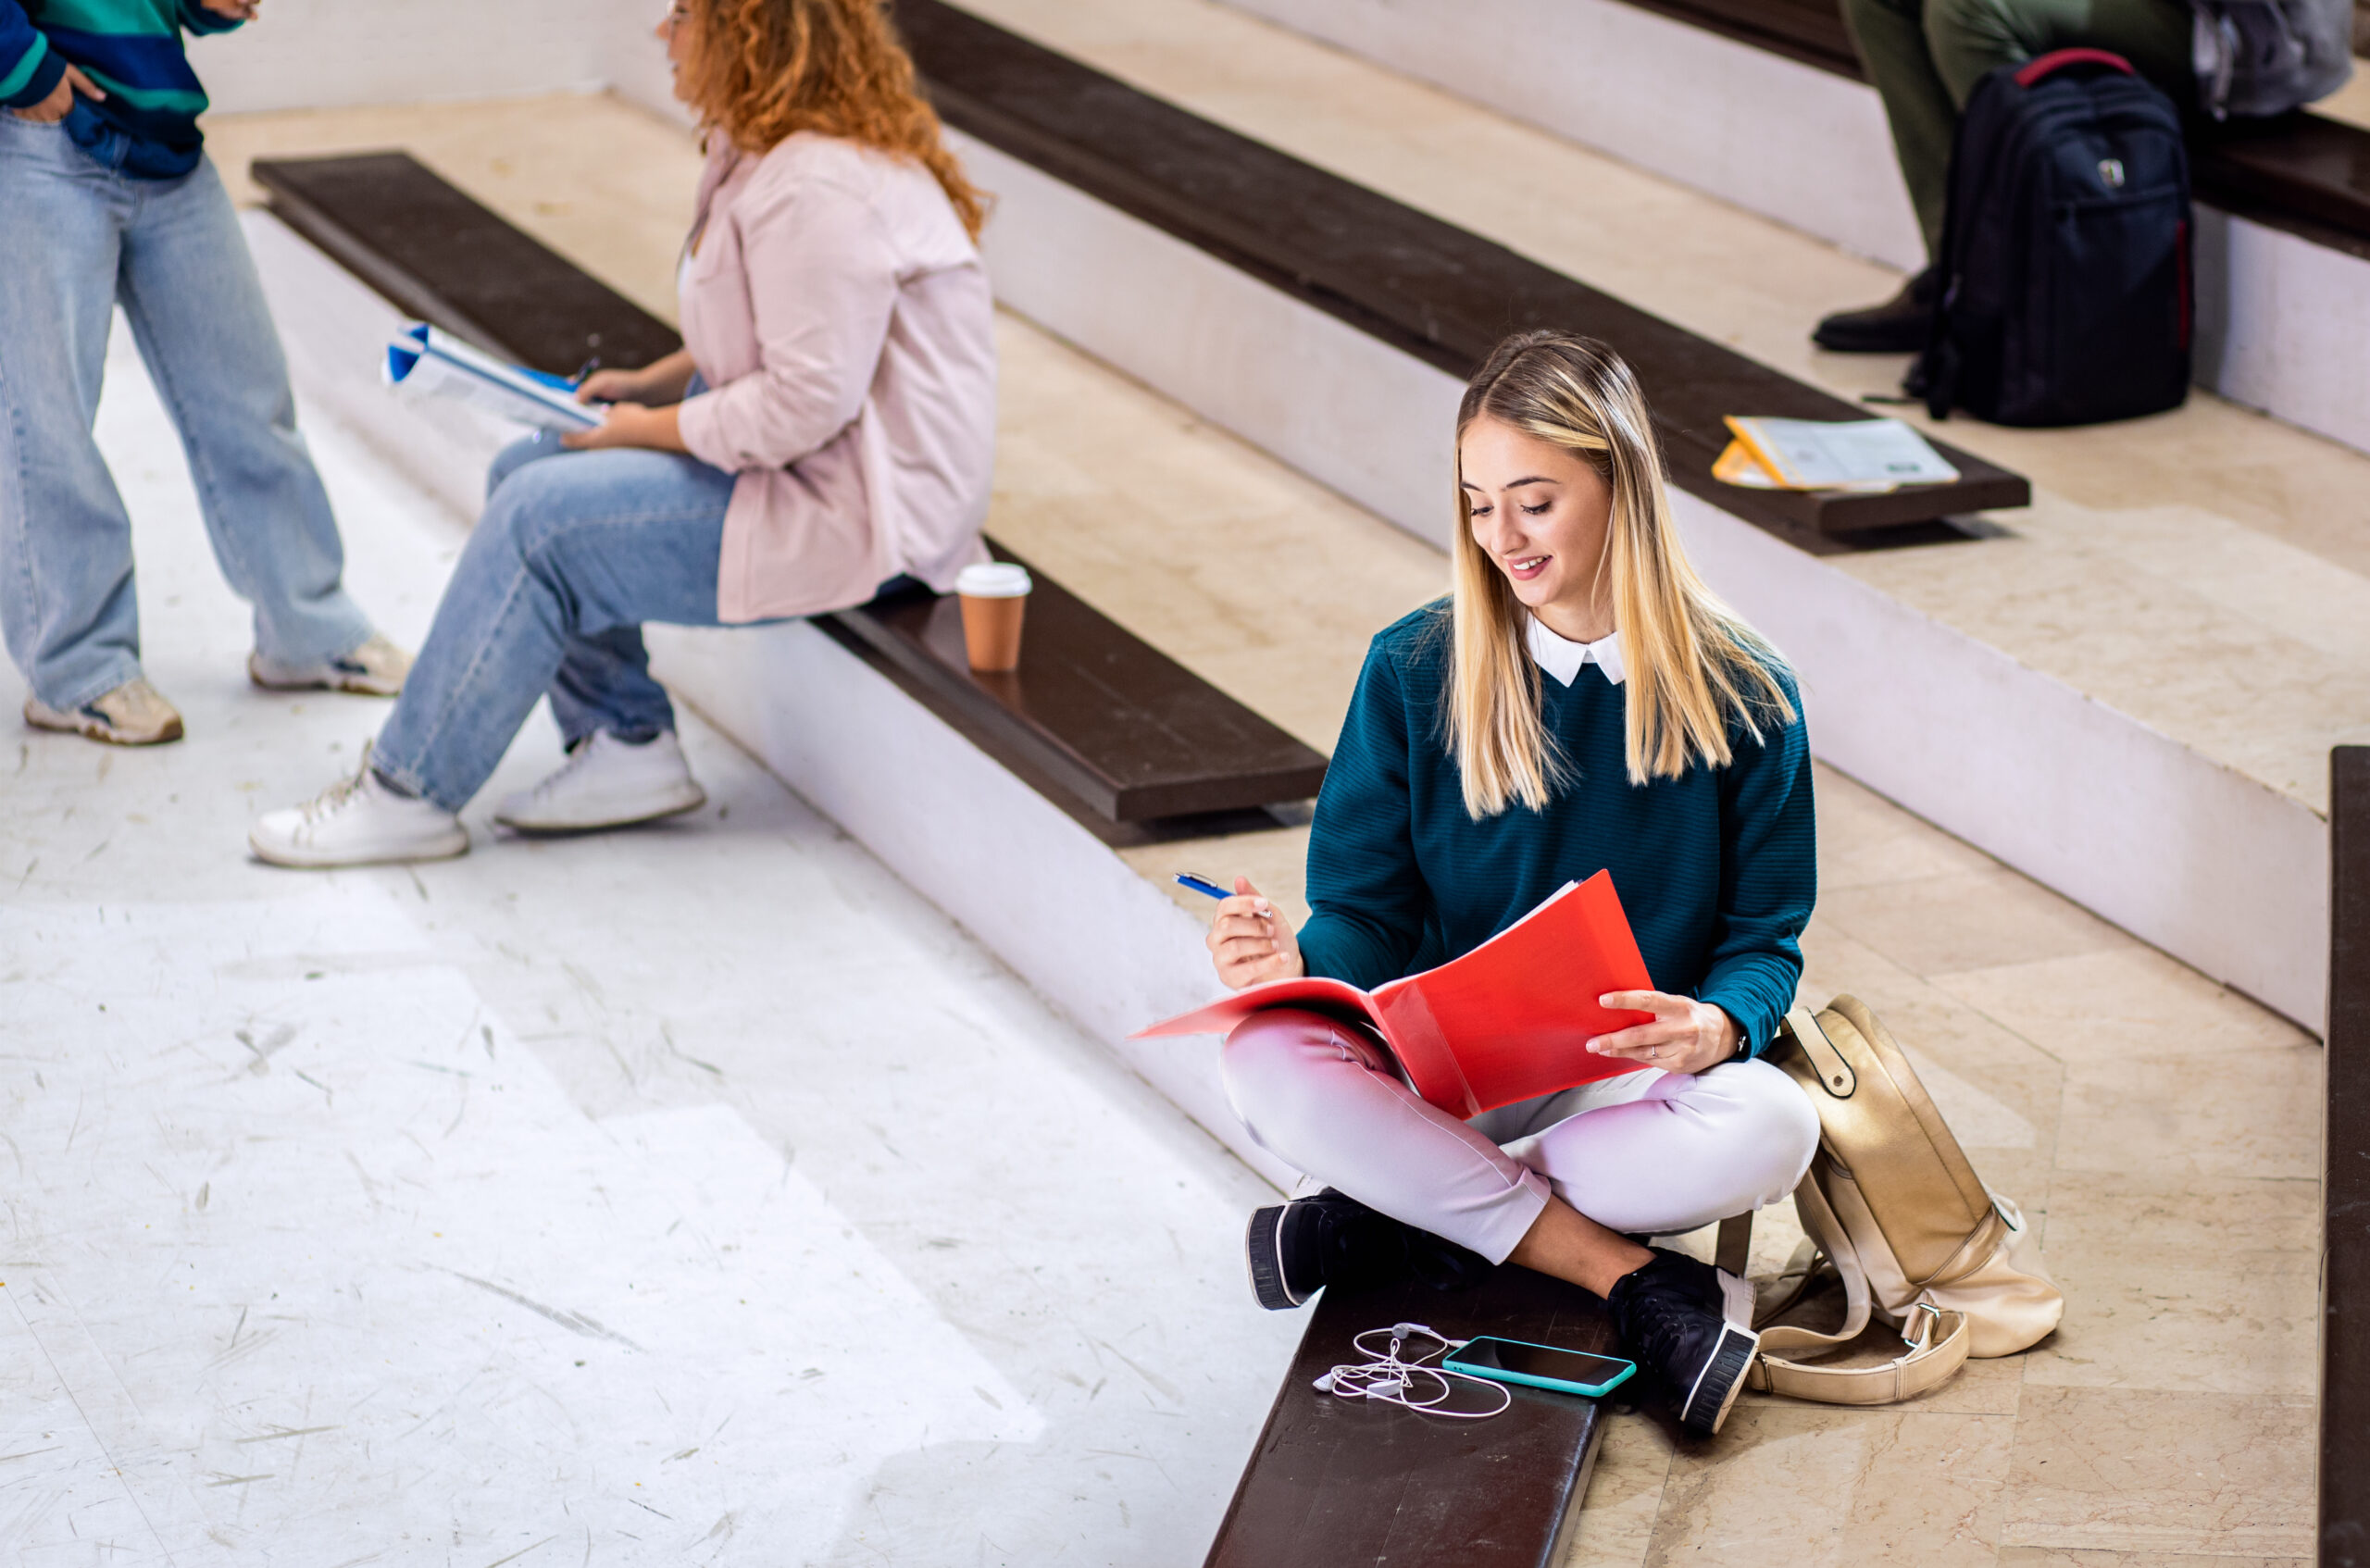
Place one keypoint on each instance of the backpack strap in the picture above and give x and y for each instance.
(2056, 60)
(1934, 1342)
(1827, 1233)
(1934, 1346)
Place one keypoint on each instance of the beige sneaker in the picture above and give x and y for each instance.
(135, 713)
(375, 669)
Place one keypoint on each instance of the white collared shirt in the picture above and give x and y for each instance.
(1562, 657)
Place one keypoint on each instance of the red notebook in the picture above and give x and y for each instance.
(1508, 1021)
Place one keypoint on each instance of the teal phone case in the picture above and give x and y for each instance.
(1500, 1374)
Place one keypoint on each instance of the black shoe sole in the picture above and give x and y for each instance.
(1261, 1251)
(1912, 341)
(1722, 1380)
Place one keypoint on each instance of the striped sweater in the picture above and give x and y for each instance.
(133, 50)
(1716, 869)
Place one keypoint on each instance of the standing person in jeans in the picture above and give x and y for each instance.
(829, 429)
(106, 197)
(1580, 704)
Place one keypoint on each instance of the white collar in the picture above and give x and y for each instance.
(1562, 657)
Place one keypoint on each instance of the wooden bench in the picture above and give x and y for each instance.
(2300, 172)
(2345, 1193)
(1432, 290)
(1335, 1482)
(1130, 743)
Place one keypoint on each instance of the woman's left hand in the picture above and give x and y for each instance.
(630, 424)
(1686, 1036)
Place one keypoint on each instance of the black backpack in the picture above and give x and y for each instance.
(2064, 295)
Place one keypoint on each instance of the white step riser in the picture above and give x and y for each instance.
(1070, 917)
(2280, 319)
(1045, 896)
(2221, 872)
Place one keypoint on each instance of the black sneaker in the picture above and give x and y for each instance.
(1899, 326)
(1296, 1249)
(1692, 1324)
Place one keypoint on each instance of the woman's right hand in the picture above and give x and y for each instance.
(1250, 941)
(60, 102)
(614, 386)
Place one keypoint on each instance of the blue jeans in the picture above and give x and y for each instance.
(574, 552)
(77, 238)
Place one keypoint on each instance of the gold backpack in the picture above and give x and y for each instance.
(1892, 1208)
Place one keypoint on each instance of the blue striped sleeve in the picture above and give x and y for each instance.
(198, 20)
(30, 69)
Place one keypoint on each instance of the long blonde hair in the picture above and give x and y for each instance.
(763, 70)
(1691, 665)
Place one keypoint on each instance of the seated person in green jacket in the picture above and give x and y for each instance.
(1925, 57)
(1580, 702)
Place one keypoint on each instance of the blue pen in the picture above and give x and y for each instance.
(1204, 884)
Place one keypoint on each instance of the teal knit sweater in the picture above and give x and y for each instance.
(1718, 870)
(133, 50)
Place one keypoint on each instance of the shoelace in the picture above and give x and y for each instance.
(1358, 1244)
(1655, 1319)
(331, 801)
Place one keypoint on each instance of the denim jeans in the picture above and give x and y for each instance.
(77, 237)
(574, 552)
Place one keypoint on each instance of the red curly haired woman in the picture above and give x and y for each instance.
(828, 427)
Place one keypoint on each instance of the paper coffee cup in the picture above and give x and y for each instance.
(995, 597)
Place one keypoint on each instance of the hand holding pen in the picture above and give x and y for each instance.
(1250, 941)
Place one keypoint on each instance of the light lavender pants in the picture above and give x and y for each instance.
(1648, 1153)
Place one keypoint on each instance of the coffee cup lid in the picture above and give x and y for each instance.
(993, 579)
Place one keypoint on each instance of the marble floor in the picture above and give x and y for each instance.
(693, 1195)
(2169, 1422)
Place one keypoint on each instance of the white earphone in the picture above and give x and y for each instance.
(1393, 1381)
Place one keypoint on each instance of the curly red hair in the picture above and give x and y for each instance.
(763, 70)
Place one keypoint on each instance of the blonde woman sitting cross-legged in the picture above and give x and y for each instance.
(1581, 703)
(829, 429)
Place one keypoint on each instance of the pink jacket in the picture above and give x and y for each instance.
(842, 320)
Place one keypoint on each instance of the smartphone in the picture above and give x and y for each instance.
(1540, 1366)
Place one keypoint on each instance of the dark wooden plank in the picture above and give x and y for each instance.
(1113, 730)
(1335, 1481)
(984, 726)
(1428, 287)
(2345, 1240)
(1808, 31)
(1116, 722)
(2300, 168)
(444, 259)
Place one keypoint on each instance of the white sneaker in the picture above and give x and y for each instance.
(135, 713)
(359, 822)
(375, 669)
(606, 783)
